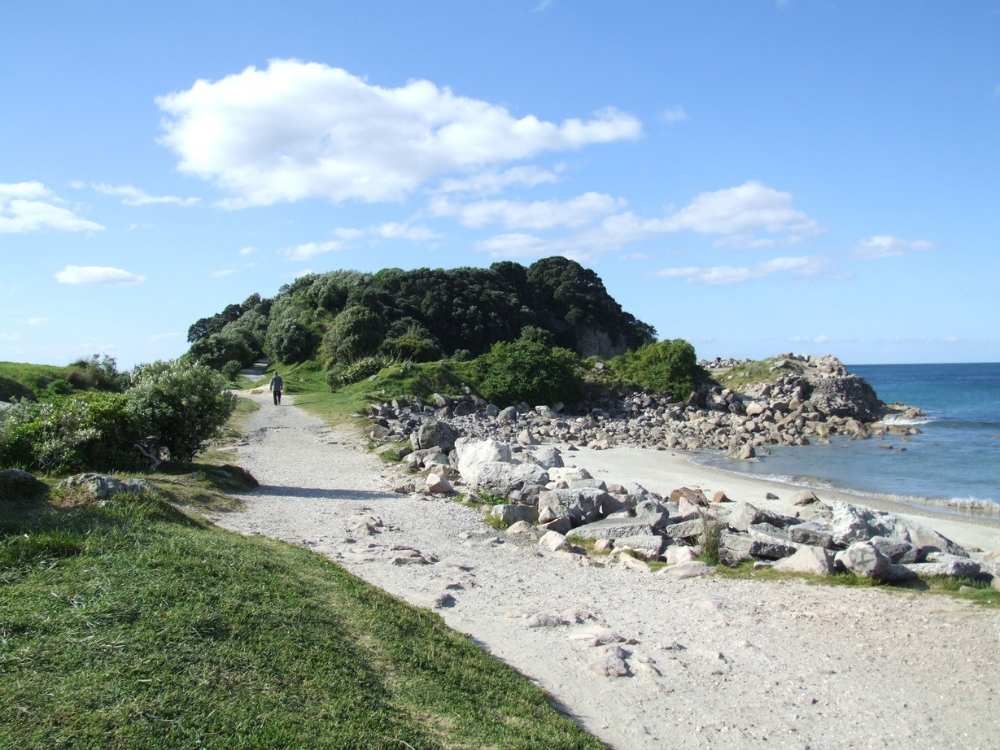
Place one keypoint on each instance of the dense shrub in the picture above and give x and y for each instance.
(343, 374)
(408, 340)
(182, 405)
(81, 431)
(99, 372)
(669, 366)
(290, 340)
(231, 370)
(529, 369)
(11, 390)
(356, 332)
(216, 349)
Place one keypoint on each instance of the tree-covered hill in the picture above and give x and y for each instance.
(420, 315)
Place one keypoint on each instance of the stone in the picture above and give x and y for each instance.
(864, 559)
(15, 483)
(547, 457)
(898, 552)
(524, 437)
(677, 555)
(474, 454)
(745, 452)
(438, 484)
(612, 663)
(500, 479)
(508, 415)
(693, 529)
(734, 548)
(649, 546)
(510, 514)
(744, 515)
(603, 546)
(692, 569)
(624, 560)
(754, 409)
(813, 560)
(614, 528)
(720, 497)
(553, 541)
(806, 497)
(580, 506)
(695, 497)
(811, 533)
(568, 473)
(433, 434)
(104, 486)
(771, 496)
(560, 525)
(520, 528)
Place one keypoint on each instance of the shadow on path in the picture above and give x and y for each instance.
(316, 493)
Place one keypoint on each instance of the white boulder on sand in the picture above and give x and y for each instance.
(702, 661)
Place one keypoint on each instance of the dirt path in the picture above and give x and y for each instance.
(709, 662)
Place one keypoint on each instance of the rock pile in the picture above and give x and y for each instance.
(530, 490)
(812, 399)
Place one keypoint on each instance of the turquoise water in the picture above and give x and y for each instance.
(957, 456)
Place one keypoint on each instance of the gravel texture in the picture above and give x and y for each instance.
(641, 660)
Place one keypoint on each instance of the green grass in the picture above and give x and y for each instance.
(134, 626)
(32, 377)
(972, 590)
(307, 382)
(758, 371)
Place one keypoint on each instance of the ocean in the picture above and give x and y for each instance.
(954, 463)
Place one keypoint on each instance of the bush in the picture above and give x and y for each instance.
(58, 387)
(669, 366)
(231, 370)
(184, 406)
(85, 430)
(529, 370)
(289, 340)
(345, 374)
(99, 372)
(355, 333)
(11, 390)
(407, 339)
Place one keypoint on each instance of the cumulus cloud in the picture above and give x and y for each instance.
(887, 246)
(674, 115)
(296, 130)
(801, 266)
(97, 275)
(574, 212)
(132, 196)
(749, 215)
(247, 250)
(490, 183)
(394, 230)
(30, 207)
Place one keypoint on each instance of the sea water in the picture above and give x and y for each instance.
(953, 462)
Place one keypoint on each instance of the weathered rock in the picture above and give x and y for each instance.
(500, 479)
(474, 454)
(685, 530)
(524, 437)
(603, 546)
(547, 457)
(580, 506)
(806, 497)
(509, 514)
(521, 528)
(611, 663)
(744, 515)
(695, 497)
(864, 559)
(433, 434)
(811, 533)
(16, 484)
(568, 473)
(734, 548)
(508, 415)
(614, 528)
(103, 486)
(649, 546)
(677, 555)
(720, 497)
(553, 541)
(438, 484)
(691, 569)
(625, 560)
(812, 560)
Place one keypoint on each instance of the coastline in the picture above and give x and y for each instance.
(664, 471)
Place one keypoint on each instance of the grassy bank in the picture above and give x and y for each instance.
(133, 625)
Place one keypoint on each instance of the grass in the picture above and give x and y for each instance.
(968, 589)
(758, 371)
(307, 382)
(25, 379)
(132, 625)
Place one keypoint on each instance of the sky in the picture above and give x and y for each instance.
(756, 177)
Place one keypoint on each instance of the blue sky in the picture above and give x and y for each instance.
(754, 176)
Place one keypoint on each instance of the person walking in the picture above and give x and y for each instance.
(277, 386)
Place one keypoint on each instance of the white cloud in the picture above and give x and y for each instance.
(393, 230)
(97, 275)
(30, 207)
(35, 322)
(574, 212)
(222, 273)
(514, 245)
(490, 183)
(750, 215)
(296, 130)
(674, 115)
(248, 250)
(132, 196)
(308, 250)
(887, 246)
(802, 266)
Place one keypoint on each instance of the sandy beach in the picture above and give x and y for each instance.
(663, 471)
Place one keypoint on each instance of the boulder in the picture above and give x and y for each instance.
(686, 530)
(806, 497)
(744, 515)
(473, 454)
(695, 497)
(508, 415)
(433, 434)
(15, 484)
(103, 486)
(811, 533)
(547, 457)
(692, 569)
(649, 546)
(614, 528)
(720, 497)
(521, 528)
(864, 559)
(511, 514)
(580, 506)
(438, 484)
(676, 555)
(524, 437)
(553, 541)
(500, 479)
(812, 560)
(568, 473)
(734, 548)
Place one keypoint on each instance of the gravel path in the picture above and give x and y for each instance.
(708, 662)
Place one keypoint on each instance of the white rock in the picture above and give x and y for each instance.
(439, 484)
(814, 560)
(553, 541)
(677, 555)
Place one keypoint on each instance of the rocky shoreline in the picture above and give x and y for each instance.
(506, 458)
